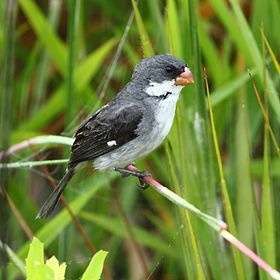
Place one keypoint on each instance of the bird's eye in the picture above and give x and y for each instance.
(169, 69)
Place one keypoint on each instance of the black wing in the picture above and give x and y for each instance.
(111, 127)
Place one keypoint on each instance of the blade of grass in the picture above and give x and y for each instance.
(211, 55)
(202, 190)
(190, 246)
(83, 73)
(116, 227)
(271, 53)
(54, 45)
(240, 32)
(175, 38)
(159, 35)
(257, 167)
(13, 257)
(43, 67)
(267, 213)
(228, 90)
(39, 140)
(31, 164)
(7, 97)
(73, 7)
(265, 116)
(258, 237)
(226, 201)
(267, 205)
(145, 41)
(244, 193)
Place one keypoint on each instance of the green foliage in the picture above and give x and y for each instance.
(95, 266)
(37, 268)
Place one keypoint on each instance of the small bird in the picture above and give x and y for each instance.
(131, 125)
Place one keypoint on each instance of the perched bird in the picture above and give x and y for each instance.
(131, 125)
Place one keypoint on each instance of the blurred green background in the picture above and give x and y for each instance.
(62, 60)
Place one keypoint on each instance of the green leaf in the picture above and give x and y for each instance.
(95, 267)
(59, 270)
(35, 268)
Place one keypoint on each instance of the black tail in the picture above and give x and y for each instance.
(54, 197)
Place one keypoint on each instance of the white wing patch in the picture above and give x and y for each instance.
(111, 143)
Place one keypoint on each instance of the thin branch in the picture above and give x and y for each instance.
(44, 139)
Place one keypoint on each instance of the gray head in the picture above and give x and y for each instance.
(159, 68)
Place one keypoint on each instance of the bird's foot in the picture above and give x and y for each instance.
(139, 174)
(142, 184)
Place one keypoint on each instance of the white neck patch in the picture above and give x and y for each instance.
(158, 89)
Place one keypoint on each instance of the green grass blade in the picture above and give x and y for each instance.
(267, 210)
(211, 55)
(190, 250)
(240, 32)
(40, 25)
(19, 264)
(145, 41)
(116, 227)
(174, 33)
(244, 213)
(271, 53)
(73, 7)
(158, 21)
(228, 90)
(83, 73)
(42, 79)
(224, 190)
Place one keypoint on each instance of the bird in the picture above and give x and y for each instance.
(131, 125)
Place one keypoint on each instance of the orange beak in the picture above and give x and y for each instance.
(185, 78)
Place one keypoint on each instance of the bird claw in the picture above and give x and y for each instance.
(143, 184)
(140, 174)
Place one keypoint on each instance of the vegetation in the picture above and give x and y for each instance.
(36, 268)
(61, 60)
